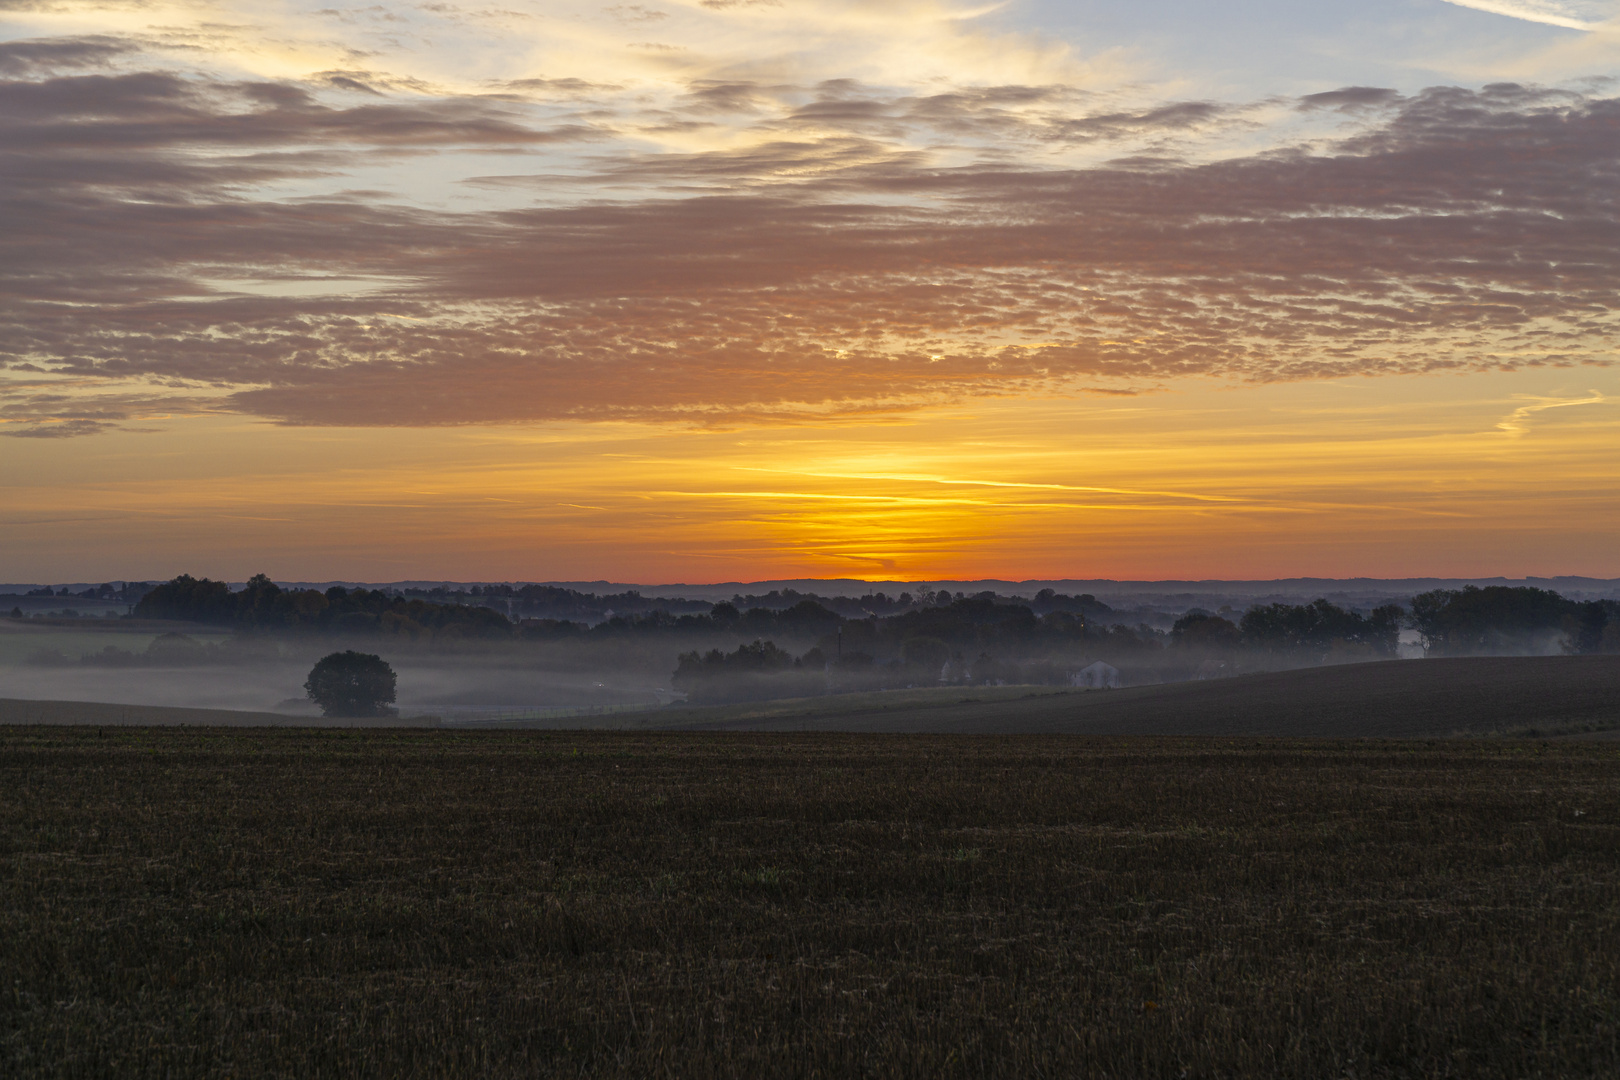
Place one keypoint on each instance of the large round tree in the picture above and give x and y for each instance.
(352, 684)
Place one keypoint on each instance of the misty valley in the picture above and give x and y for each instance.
(487, 651)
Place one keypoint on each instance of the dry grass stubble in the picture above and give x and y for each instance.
(424, 903)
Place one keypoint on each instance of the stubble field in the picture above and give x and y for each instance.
(257, 902)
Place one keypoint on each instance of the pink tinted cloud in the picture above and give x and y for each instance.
(815, 273)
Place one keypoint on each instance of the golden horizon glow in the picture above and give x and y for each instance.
(1377, 478)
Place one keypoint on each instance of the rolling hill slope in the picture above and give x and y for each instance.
(108, 714)
(1400, 698)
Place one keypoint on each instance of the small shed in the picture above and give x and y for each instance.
(1099, 676)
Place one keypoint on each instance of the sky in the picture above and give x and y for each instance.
(718, 290)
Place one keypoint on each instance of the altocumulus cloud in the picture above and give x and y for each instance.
(846, 256)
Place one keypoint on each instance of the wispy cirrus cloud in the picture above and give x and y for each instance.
(1517, 422)
(1569, 14)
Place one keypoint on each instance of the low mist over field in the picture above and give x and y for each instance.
(486, 649)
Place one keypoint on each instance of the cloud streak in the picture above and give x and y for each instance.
(1568, 14)
(1517, 422)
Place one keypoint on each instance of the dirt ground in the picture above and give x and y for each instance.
(262, 902)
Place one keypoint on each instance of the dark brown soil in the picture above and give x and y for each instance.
(239, 902)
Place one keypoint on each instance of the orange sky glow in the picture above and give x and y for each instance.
(716, 290)
(1359, 478)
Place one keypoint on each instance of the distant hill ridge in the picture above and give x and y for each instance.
(1573, 586)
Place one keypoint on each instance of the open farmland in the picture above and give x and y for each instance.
(1522, 695)
(257, 902)
(21, 711)
(1537, 696)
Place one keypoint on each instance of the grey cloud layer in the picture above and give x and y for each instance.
(26, 57)
(830, 268)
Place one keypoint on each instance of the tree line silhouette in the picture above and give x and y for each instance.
(262, 605)
(931, 637)
(1449, 621)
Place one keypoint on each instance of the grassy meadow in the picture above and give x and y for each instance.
(340, 902)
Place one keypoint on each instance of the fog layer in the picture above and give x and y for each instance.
(200, 643)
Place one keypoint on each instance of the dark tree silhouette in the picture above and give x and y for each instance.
(1495, 619)
(1312, 629)
(926, 652)
(1594, 627)
(1202, 630)
(186, 597)
(352, 684)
